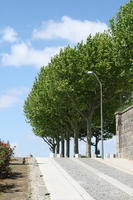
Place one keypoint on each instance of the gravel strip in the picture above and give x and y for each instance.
(38, 190)
(98, 188)
(121, 176)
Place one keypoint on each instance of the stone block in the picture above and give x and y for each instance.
(124, 133)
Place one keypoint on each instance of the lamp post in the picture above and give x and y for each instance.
(101, 103)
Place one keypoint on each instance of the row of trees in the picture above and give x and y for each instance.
(64, 101)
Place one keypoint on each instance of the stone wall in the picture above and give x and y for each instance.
(124, 133)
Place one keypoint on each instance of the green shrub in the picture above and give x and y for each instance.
(5, 155)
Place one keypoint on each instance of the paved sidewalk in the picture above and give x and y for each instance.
(87, 179)
(119, 176)
(38, 190)
(60, 184)
(119, 163)
(99, 184)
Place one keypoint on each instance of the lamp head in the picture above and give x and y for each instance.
(90, 72)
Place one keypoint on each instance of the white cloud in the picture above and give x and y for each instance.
(9, 35)
(11, 97)
(7, 101)
(23, 54)
(18, 92)
(69, 29)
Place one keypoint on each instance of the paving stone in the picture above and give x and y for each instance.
(121, 176)
(98, 188)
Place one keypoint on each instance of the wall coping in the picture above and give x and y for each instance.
(123, 111)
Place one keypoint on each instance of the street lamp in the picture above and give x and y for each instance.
(101, 102)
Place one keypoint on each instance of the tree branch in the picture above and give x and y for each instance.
(47, 141)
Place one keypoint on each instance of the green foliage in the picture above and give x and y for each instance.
(64, 98)
(126, 105)
(122, 36)
(5, 155)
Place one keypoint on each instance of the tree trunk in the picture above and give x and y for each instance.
(53, 146)
(96, 147)
(62, 146)
(58, 145)
(88, 148)
(68, 147)
(88, 144)
(76, 146)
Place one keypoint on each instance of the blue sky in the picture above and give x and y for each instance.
(30, 33)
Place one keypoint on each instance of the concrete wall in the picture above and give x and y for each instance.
(124, 133)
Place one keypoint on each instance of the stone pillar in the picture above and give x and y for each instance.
(118, 134)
